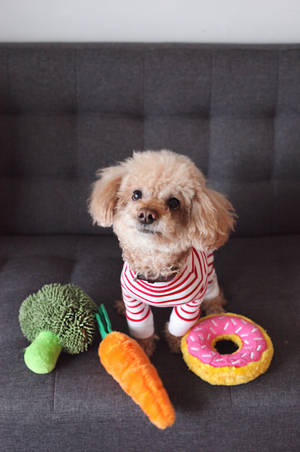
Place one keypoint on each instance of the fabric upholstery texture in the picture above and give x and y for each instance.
(65, 111)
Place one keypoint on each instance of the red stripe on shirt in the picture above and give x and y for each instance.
(182, 318)
(210, 272)
(139, 320)
(136, 313)
(189, 312)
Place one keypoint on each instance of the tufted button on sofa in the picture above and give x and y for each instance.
(68, 109)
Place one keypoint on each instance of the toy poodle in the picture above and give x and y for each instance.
(168, 224)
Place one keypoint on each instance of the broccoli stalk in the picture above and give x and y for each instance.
(42, 354)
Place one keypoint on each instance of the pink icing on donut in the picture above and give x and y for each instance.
(201, 336)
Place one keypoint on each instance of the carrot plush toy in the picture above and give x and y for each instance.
(125, 360)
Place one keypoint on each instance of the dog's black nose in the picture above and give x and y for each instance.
(147, 216)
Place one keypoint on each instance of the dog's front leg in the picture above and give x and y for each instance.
(182, 318)
(139, 323)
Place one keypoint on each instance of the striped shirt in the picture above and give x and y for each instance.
(184, 293)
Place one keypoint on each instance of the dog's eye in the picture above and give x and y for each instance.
(137, 194)
(173, 203)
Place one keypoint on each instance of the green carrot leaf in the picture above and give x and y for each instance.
(103, 321)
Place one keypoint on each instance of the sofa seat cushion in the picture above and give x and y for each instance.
(260, 280)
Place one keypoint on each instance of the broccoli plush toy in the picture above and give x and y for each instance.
(56, 318)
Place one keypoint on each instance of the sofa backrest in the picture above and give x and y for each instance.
(66, 110)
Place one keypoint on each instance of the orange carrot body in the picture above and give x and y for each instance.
(124, 359)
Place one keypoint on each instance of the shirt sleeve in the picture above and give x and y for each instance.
(139, 317)
(213, 289)
(183, 317)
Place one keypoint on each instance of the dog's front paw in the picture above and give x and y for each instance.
(120, 307)
(173, 341)
(148, 344)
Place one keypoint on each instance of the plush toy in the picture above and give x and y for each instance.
(124, 359)
(57, 317)
(251, 359)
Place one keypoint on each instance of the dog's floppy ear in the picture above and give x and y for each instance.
(212, 219)
(104, 195)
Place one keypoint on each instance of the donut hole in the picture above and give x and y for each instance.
(227, 344)
(226, 347)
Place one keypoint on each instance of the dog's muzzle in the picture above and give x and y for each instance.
(147, 216)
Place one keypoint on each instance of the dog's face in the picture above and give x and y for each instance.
(159, 200)
(154, 199)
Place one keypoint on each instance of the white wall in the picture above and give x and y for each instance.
(252, 21)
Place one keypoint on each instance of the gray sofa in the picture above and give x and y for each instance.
(66, 110)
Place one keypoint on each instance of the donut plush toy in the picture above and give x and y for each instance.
(251, 359)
